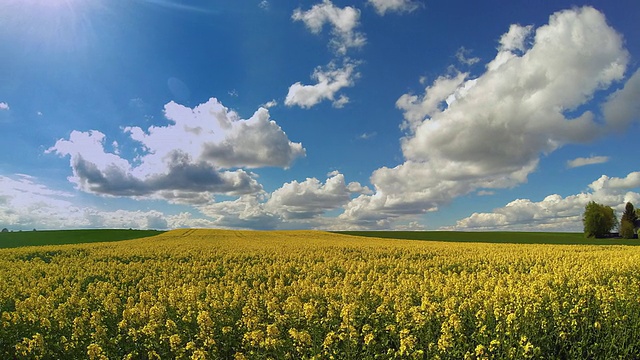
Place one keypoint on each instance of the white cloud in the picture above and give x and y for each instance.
(174, 5)
(555, 213)
(247, 211)
(463, 57)
(382, 6)
(411, 226)
(340, 102)
(623, 107)
(311, 198)
(344, 21)
(4, 106)
(515, 38)
(485, 133)
(26, 204)
(367, 135)
(270, 104)
(613, 184)
(416, 108)
(329, 82)
(592, 160)
(294, 205)
(182, 162)
(264, 4)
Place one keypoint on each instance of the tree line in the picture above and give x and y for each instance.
(600, 220)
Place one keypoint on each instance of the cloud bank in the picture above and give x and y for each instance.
(555, 213)
(26, 204)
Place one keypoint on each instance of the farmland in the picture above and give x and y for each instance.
(510, 237)
(199, 294)
(60, 237)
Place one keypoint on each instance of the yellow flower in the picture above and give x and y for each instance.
(239, 356)
(94, 351)
(494, 345)
(272, 330)
(175, 341)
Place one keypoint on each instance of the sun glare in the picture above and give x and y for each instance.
(49, 24)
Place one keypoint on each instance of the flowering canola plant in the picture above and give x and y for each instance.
(215, 294)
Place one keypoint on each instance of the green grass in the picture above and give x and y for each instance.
(495, 237)
(59, 237)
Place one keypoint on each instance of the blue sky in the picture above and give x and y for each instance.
(377, 114)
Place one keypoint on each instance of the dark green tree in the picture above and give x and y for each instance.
(627, 230)
(598, 220)
(628, 221)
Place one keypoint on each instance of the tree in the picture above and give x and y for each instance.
(627, 230)
(628, 221)
(598, 220)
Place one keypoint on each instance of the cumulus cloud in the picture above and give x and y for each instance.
(185, 161)
(247, 211)
(622, 107)
(295, 204)
(329, 81)
(4, 106)
(384, 6)
(606, 184)
(466, 134)
(416, 107)
(554, 212)
(515, 38)
(581, 161)
(311, 198)
(343, 22)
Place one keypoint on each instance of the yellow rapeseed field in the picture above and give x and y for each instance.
(213, 294)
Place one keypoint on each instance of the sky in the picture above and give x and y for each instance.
(333, 115)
